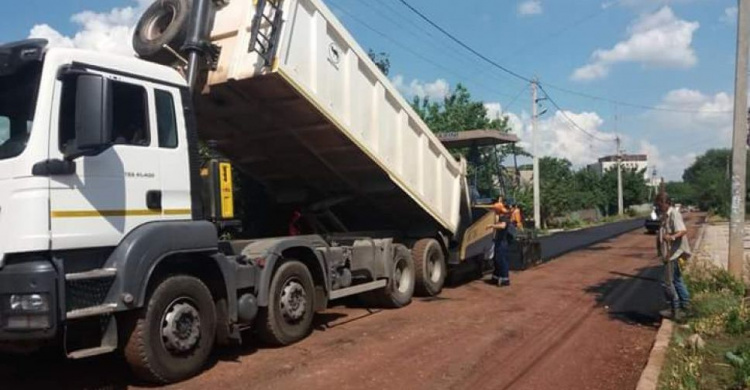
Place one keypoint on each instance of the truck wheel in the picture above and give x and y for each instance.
(288, 317)
(400, 288)
(163, 23)
(429, 263)
(171, 339)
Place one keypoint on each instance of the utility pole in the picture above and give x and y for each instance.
(739, 144)
(535, 151)
(619, 178)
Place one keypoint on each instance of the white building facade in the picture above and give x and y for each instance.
(639, 162)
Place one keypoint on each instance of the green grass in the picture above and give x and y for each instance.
(722, 318)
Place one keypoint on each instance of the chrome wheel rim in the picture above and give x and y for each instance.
(181, 326)
(293, 301)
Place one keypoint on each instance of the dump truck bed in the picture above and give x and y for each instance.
(319, 122)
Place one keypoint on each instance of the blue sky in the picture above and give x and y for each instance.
(673, 54)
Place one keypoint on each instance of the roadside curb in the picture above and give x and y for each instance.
(650, 376)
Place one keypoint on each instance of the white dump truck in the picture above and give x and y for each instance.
(109, 213)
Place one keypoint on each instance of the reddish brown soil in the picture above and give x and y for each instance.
(584, 321)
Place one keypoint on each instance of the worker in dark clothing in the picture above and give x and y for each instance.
(502, 240)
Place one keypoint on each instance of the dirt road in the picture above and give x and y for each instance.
(584, 321)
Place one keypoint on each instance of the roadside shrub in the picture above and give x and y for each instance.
(714, 280)
(712, 310)
(572, 222)
(740, 360)
(685, 373)
(736, 324)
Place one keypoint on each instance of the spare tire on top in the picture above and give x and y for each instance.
(165, 22)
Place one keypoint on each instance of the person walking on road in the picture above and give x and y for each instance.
(674, 248)
(503, 230)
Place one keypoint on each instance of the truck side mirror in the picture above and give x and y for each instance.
(93, 122)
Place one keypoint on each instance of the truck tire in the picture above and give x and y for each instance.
(170, 339)
(429, 263)
(400, 288)
(164, 22)
(288, 317)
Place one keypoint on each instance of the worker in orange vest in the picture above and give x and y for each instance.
(515, 214)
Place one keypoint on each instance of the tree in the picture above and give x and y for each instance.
(556, 187)
(634, 188)
(589, 191)
(681, 192)
(708, 177)
(382, 60)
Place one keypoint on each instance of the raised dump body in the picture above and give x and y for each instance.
(298, 105)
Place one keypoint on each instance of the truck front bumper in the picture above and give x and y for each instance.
(29, 301)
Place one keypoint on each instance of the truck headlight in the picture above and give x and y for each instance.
(27, 312)
(29, 303)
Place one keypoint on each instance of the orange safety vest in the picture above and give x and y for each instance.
(515, 217)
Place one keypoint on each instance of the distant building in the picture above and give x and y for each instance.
(524, 175)
(629, 161)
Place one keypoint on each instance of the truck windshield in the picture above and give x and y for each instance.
(18, 93)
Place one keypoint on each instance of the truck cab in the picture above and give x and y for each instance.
(93, 154)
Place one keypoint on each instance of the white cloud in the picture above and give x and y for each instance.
(101, 31)
(660, 39)
(494, 110)
(530, 7)
(670, 167)
(644, 4)
(436, 90)
(730, 16)
(558, 138)
(683, 136)
(712, 114)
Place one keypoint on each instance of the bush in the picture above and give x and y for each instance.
(715, 280)
(736, 324)
(740, 360)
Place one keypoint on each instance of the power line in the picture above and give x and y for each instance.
(558, 33)
(411, 51)
(515, 99)
(571, 121)
(528, 80)
(634, 105)
(434, 42)
(465, 46)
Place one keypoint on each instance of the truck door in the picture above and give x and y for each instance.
(117, 190)
(173, 153)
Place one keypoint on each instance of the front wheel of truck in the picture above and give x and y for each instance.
(171, 338)
(289, 314)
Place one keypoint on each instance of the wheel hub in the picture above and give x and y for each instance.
(434, 268)
(402, 276)
(293, 301)
(181, 327)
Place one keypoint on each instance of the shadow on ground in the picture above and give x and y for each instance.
(632, 298)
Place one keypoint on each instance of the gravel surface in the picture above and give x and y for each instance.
(586, 320)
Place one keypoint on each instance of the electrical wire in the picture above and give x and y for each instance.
(558, 33)
(464, 45)
(633, 105)
(571, 121)
(528, 80)
(515, 99)
(411, 51)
